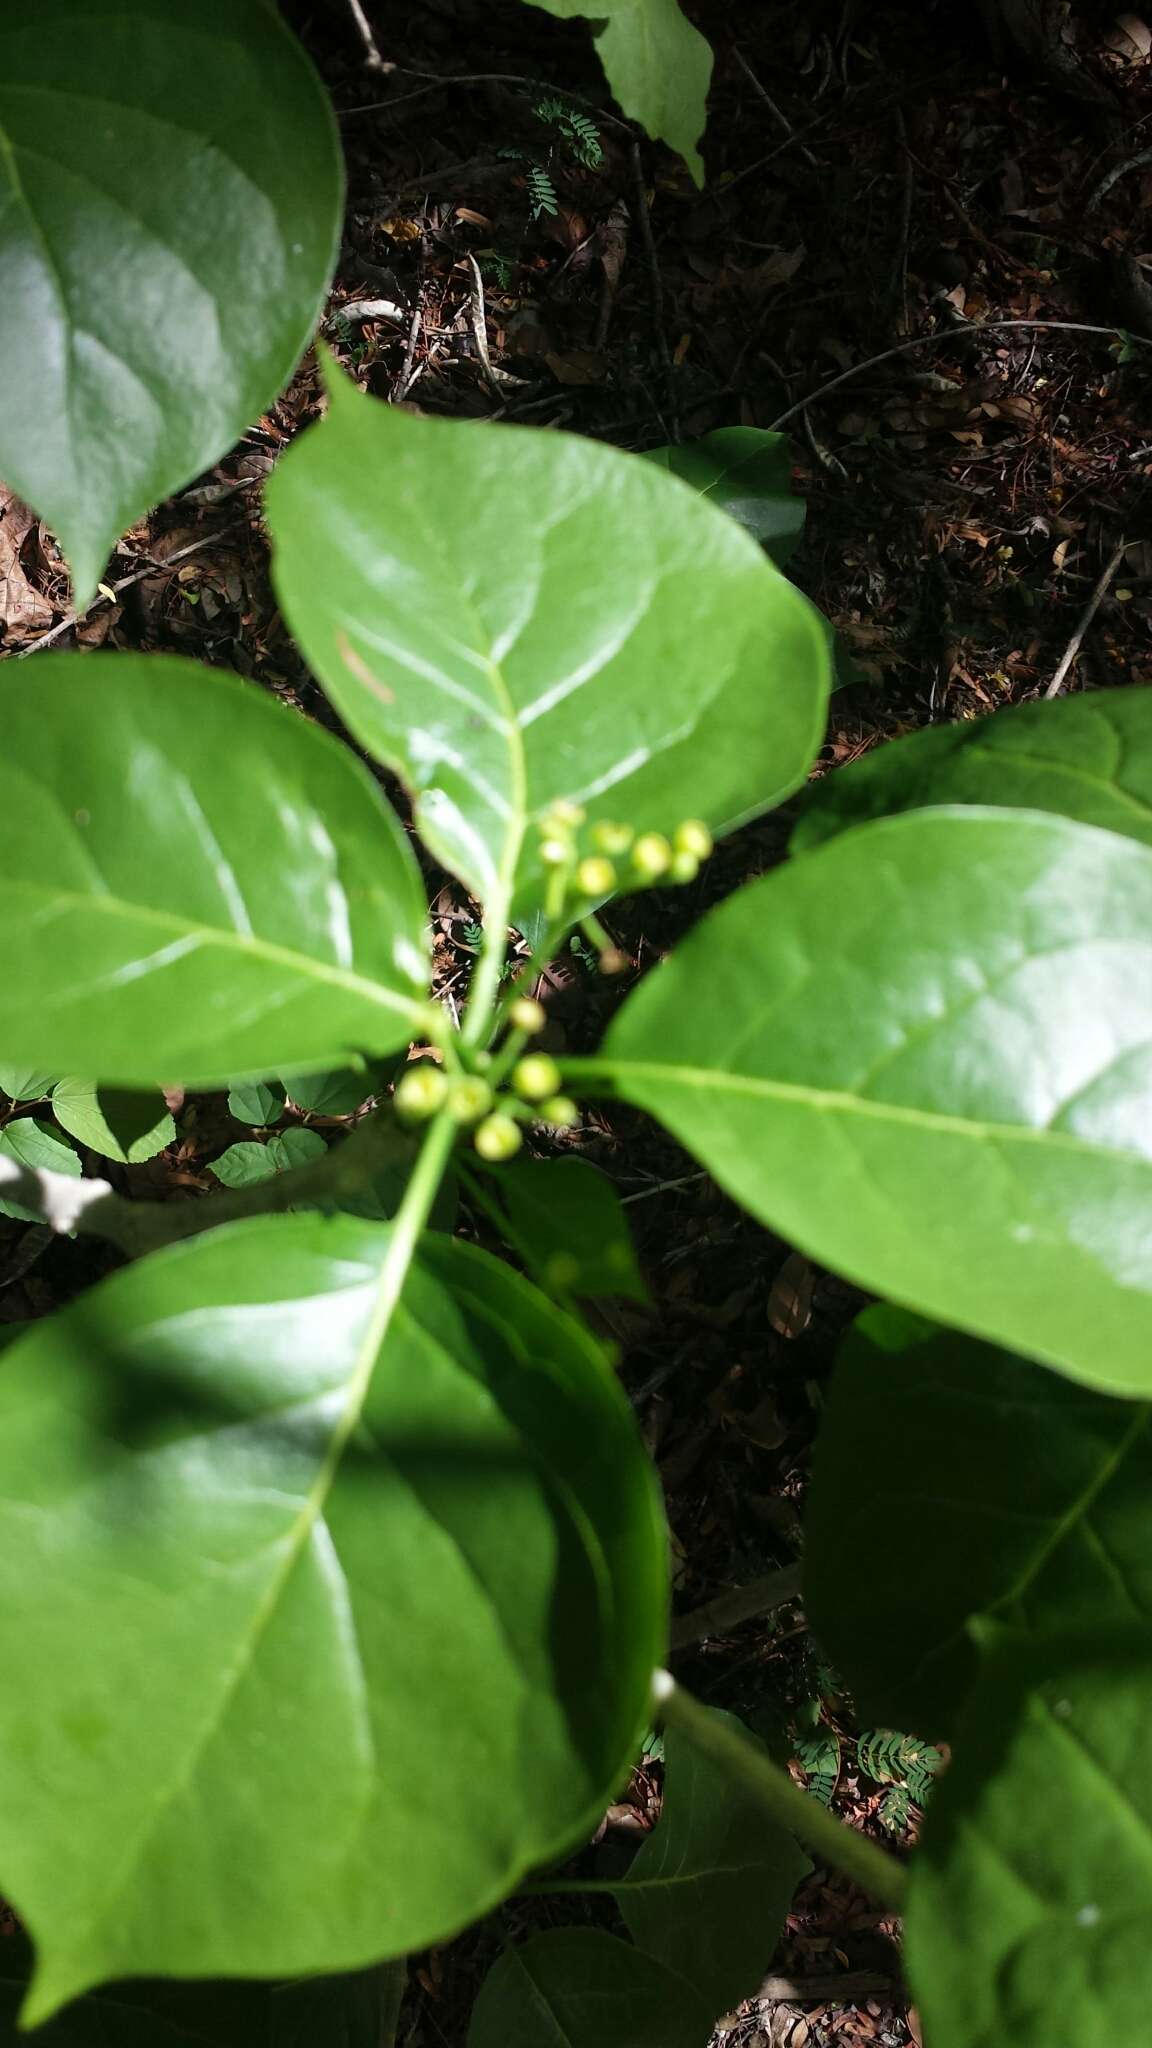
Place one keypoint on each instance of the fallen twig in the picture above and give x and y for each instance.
(742, 1603)
(112, 590)
(777, 113)
(1086, 618)
(372, 57)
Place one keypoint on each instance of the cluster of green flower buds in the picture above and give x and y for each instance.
(592, 863)
(495, 1119)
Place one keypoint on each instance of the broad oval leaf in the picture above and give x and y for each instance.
(952, 1478)
(24, 1084)
(170, 204)
(348, 1562)
(658, 66)
(746, 472)
(124, 1124)
(247, 1164)
(197, 883)
(565, 1220)
(32, 1143)
(923, 1054)
(708, 1890)
(332, 1094)
(576, 1987)
(1086, 757)
(256, 1103)
(1030, 1900)
(508, 618)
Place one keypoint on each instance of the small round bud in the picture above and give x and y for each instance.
(613, 961)
(596, 876)
(561, 1112)
(693, 836)
(651, 856)
(536, 1076)
(566, 814)
(555, 853)
(497, 1137)
(420, 1092)
(469, 1098)
(685, 867)
(608, 837)
(526, 1014)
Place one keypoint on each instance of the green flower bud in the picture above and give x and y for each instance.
(536, 1076)
(693, 836)
(596, 876)
(561, 1112)
(685, 867)
(651, 856)
(566, 815)
(497, 1137)
(420, 1092)
(469, 1098)
(527, 1015)
(555, 853)
(610, 838)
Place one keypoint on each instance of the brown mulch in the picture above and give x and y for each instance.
(963, 498)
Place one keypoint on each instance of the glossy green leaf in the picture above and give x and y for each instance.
(747, 472)
(1030, 1906)
(576, 1987)
(922, 1055)
(24, 1084)
(348, 1563)
(197, 883)
(124, 1124)
(32, 1143)
(708, 1890)
(951, 1477)
(247, 1164)
(1086, 757)
(507, 618)
(567, 1223)
(170, 205)
(333, 1094)
(658, 66)
(256, 1103)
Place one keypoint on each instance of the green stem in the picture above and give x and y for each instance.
(780, 1798)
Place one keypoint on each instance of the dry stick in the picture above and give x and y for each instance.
(742, 1603)
(372, 57)
(438, 79)
(125, 583)
(953, 334)
(777, 113)
(1086, 618)
(655, 285)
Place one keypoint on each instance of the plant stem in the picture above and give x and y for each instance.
(771, 1788)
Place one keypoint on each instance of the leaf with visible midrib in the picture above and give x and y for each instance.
(747, 472)
(1084, 757)
(1030, 1896)
(343, 1556)
(170, 202)
(656, 63)
(507, 618)
(925, 1058)
(950, 1477)
(197, 883)
(577, 1987)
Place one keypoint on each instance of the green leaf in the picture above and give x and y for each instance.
(707, 1893)
(24, 1084)
(566, 1222)
(247, 1164)
(197, 883)
(921, 1055)
(747, 472)
(334, 1094)
(170, 202)
(950, 1477)
(507, 618)
(1086, 757)
(256, 1103)
(119, 1123)
(349, 1560)
(576, 1987)
(320, 2012)
(1030, 1902)
(658, 66)
(31, 1143)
